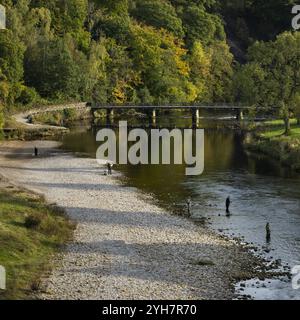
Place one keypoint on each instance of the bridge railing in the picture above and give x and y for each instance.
(174, 106)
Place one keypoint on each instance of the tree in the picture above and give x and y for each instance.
(252, 20)
(159, 14)
(11, 66)
(221, 72)
(116, 7)
(275, 66)
(246, 83)
(200, 65)
(161, 59)
(201, 25)
(68, 17)
(54, 68)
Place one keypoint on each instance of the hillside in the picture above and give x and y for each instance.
(129, 51)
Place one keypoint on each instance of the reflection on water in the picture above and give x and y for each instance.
(261, 191)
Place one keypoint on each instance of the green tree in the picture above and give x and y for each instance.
(274, 74)
(246, 80)
(221, 72)
(159, 14)
(161, 59)
(201, 25)
(54, 68)
(200, 65)
(11, 66)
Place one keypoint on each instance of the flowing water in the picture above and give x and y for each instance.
(261, 192)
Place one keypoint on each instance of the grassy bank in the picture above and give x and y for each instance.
(44, 122)
(60, 117)
(31, 232)
(274, 143)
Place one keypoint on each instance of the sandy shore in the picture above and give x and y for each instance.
(125, 247)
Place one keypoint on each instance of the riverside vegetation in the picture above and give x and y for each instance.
(150, 52)
(31, 232)
(274, 143)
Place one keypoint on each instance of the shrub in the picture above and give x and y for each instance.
(28, 96)
(70, 114)
(33, 221)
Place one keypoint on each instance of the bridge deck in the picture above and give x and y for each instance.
(212, 107)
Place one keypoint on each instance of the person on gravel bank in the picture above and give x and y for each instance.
(109, 168)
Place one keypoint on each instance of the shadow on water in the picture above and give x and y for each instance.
(261, 190)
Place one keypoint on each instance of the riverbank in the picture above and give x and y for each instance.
(31, 233)
(125, 247)
(273, 143)
(44, 122)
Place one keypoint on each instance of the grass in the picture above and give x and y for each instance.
(279, 122)
(26, 249)
(274, 143)
(58, 118)
(279, 132)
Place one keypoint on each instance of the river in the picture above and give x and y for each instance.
(261, 192)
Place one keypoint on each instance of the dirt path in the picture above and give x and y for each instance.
(22, 118)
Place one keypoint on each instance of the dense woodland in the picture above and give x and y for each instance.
(150, 52)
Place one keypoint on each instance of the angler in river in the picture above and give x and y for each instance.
(228, 202)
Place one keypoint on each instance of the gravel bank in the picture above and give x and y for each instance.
(125, 247)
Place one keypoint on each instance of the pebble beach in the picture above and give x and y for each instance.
(125, 246)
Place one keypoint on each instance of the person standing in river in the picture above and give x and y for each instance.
(268, 232)
(189, 205)
(228, 202)
(36, 151)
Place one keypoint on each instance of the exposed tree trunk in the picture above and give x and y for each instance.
(287, 124)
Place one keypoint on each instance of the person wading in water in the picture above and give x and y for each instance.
(268, 232)
(228, 202)
(189, 206)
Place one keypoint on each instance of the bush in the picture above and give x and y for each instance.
(28, 96)
(33, 221)
(70, 114)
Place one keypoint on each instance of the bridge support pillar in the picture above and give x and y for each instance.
(110, 113)
(153, 117)
(110, 116)
(239, 114)
(195, 117)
